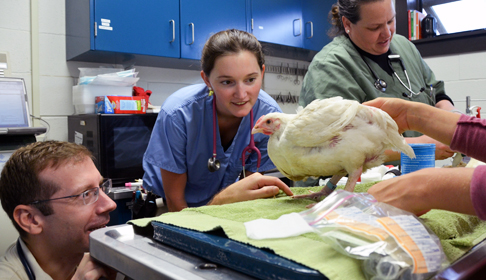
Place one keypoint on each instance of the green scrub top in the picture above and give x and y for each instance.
(339, 70)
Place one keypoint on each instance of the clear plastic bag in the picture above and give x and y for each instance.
(393, 244)
(107, 76)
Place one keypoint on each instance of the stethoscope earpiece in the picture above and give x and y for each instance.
(213, 164)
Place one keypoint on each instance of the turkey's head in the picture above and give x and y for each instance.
(267, 124)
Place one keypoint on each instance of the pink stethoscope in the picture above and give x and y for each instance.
(214, 164)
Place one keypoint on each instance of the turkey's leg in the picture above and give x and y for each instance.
(353, 179)
(325, 191)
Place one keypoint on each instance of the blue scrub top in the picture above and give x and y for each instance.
(182, 141)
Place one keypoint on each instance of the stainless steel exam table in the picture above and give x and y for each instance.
(140, 257)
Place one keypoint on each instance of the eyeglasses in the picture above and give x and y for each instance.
(89, 197)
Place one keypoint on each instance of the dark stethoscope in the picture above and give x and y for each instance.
(214, 164)
(381, 85)
(25, 263)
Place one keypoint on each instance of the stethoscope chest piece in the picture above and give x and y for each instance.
(213, 164)
(380, 85)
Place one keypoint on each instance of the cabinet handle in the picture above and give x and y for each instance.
(312, 29)
(300, 26)
(192, 27)
(173, 30)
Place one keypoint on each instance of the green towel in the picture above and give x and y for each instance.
(457, 232)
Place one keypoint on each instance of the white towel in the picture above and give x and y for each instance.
(286, 226)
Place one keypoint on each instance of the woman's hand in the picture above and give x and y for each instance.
(408, 192)
(430, 188)
(252, 187)
(436, 123)
(396, 108)
(442, 151)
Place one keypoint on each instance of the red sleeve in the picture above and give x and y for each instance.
(478, 191)
(470, 137)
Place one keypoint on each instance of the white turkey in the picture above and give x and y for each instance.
(330, 137)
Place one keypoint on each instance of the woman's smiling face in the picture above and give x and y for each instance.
(236, 80)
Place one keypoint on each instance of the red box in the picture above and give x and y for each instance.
(125, 104)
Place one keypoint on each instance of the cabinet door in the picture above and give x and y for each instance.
(149, 27)
(278, 21)
(201, 19)
(316, 25)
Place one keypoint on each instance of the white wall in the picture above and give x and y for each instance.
(39, 58)
(464, 75)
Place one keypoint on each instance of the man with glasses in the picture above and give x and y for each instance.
(55, 197)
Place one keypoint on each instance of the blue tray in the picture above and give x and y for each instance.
(245, 258)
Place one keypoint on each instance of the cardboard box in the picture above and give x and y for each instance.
(103, 105)
(84, 96)
(121, 104)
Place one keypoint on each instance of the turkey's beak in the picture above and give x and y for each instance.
(256, 130)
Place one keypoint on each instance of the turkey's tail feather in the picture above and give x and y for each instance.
(404, 147)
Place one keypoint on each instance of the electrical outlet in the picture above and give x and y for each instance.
(4, 67)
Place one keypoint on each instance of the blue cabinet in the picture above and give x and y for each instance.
(113, 32)
(154, 32)
(277, 21)
(149, 27)
(107, 31)
(316, 24)
(201, 19)
(295, 23)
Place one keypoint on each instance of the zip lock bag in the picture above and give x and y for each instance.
(393, 243)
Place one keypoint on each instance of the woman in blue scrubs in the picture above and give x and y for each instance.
(176, 161)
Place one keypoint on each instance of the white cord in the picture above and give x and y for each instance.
(48, 127)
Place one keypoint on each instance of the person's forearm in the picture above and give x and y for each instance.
(220, 199)
(451, 190)
(174, 187)
(445, 105)
(430, 188)
(436, 123)
(175, 205)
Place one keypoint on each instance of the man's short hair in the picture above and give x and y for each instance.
(20, 182)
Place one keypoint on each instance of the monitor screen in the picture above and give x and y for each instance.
(13, 105)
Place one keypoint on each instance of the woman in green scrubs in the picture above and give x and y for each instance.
(359, 57)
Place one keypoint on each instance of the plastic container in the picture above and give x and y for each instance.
(84, 96)
(429, 27)
(424, 158)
